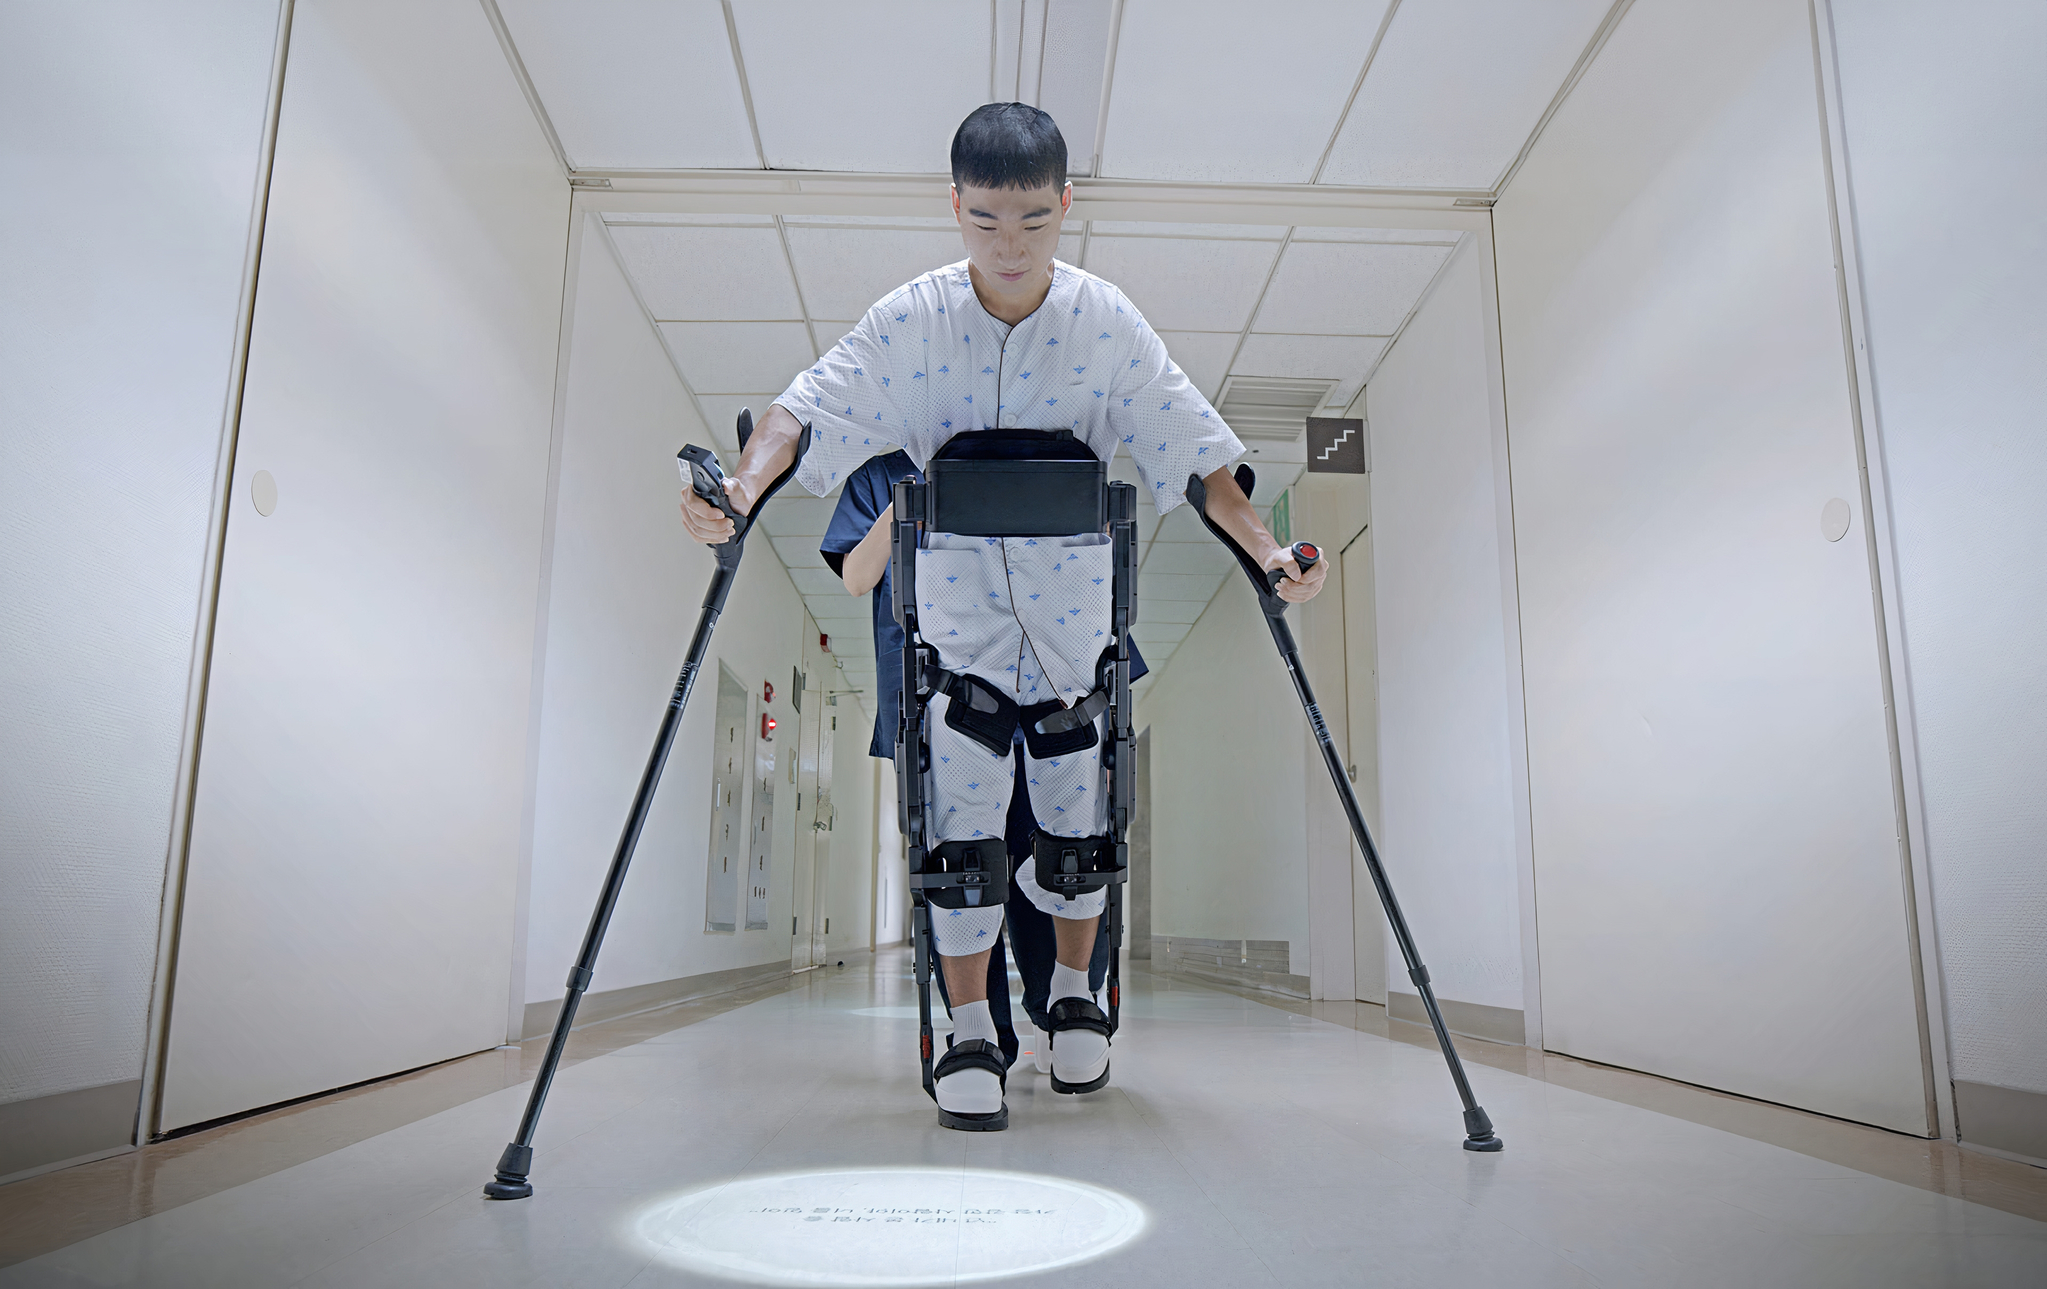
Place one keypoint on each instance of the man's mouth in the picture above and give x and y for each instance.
(1010, 277)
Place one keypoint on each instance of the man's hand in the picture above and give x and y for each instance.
(1296, 587)
(706, 522)
(770, 451)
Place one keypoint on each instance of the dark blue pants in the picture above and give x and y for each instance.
(1030, 934)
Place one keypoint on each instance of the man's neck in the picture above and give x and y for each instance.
(1009, 309)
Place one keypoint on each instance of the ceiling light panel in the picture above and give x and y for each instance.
(841, 86)
(1442, 236)
(1203, 355)
(1070, 78)
(722, 273)
(635, 84)
(1456, 90)
(1232, 92)
(1347, 288)
(727, 357)
(1159, 228)
(667, 217)
(1185, 284)
(844, 271)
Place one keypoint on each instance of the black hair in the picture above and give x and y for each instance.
(1008, 145)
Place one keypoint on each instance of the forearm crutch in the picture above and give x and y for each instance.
(700, 470)
(1478, 1128)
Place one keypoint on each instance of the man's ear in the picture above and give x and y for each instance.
(1065, 198)
(955, 201)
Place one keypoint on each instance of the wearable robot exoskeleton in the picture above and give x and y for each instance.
(981, 660)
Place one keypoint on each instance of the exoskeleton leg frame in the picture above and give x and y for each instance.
(1000, 485)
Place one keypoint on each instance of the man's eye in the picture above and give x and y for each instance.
(1032, 228)
(984, 228)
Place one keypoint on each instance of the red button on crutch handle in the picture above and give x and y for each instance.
(1306, 554)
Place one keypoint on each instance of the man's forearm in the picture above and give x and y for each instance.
(865, 562)
(1232, 511)
(767, 454)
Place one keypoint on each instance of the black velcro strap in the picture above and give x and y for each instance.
(953, 868)
(975, 708)
(1078, 1013)
(1077, 737)
(1073, 866)
(973, 1054)
(1071, 718)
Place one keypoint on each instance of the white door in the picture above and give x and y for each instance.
(1361, 675)
(803, 892)
(821, 835)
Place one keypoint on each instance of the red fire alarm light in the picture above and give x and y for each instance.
(767, 727)
(824, 642)
(767, 691)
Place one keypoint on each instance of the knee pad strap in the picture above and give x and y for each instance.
(953, 868)
(1073, 866)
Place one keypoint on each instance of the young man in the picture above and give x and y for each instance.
(1007, 338)
(1029, 933)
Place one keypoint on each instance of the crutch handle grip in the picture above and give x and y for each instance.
(702, 473)
(1305, 554)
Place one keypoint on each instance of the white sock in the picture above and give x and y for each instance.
(971, 1091)
(1067, 982)
(971, 1020)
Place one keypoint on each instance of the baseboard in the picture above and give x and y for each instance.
(610, 1004)
(1243, 964)
(2007, 1120)
(1473, 1020)
(67, 1127)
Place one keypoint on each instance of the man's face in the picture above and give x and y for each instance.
(1011, 234)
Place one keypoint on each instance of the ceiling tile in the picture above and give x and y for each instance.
(1347, 288)
(794, 514)
(844, 271)
(1183, 525)
(1177, 586)
(689, 273)
(1146, 633)
(1238, 93)
(1326, 233)
(1341, 358)
(727, 357)
(1161, 228)
(796, 552)
(837, 89)
(818, 582)
(1169, 610)
(938, 195)
(1070, 77)
(686, 220)
(1187, 558)
(722, 411)
(1185, 284)
(1203, 355)
(1456, 89)
(635, 84)
(1274, 478)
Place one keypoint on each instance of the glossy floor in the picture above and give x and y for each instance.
(781, 1137)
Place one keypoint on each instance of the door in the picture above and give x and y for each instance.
(730, 769)
(803, 891)
(1361, 675)
(821, 834)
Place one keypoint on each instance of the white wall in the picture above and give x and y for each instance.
(1939, 103)
(1716, 860)
(625, 592)
(1229, 832)
(120, 282)
(1446, 712)
(356, 831)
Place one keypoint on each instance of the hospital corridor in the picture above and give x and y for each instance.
(1081, 642)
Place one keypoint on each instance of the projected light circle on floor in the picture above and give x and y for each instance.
(888, 1226)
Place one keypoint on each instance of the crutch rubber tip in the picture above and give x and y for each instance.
(1478, 1132)
(513, 1166)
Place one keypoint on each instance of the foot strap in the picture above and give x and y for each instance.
(973, 1054)
(1077, 1013)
